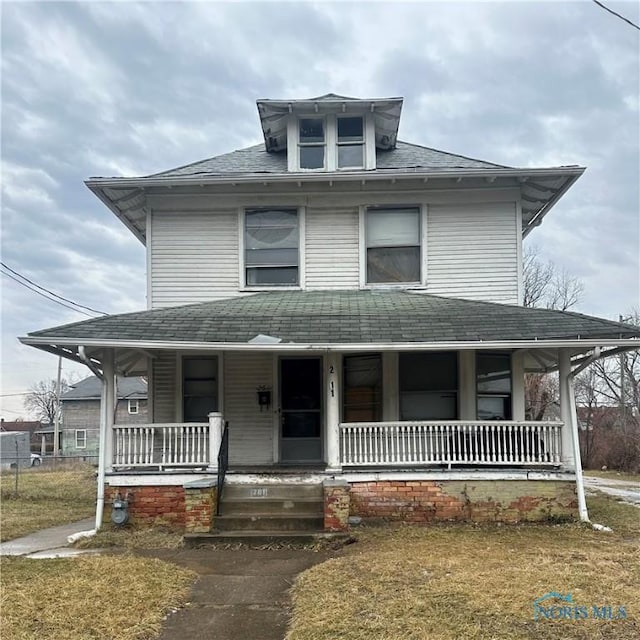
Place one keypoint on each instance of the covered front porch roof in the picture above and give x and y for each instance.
(345, 321)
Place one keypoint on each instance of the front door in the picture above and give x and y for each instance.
(300, 410)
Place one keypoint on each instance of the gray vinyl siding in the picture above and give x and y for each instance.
(332, 248)
(85, 414)
(472, 251)
(250, 430)
(194, 256)
(164, 387)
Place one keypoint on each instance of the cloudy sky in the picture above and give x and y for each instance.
(118, 88)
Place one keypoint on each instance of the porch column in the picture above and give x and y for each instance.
(467, 364)
(390, 407)
(108, 371)
(517, 386)
(566, 398)
(215, 439)
(333, 379)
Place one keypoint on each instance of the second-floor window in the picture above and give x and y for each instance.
(393, 245)
(271, 244)
(133, 407)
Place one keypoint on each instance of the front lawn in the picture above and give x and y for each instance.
(447, 582)
(89, 597)
(613, 475)
(45, 499)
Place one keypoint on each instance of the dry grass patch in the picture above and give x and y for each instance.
(45, 499)
(89, 597)
(129, 538)
(613, 475)
(473, 582)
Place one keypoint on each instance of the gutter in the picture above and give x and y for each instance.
(627, 343)
(96, 183)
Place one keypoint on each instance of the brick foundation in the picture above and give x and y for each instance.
(474, 500)
(336, 505)
(149, 506)
(199, 506)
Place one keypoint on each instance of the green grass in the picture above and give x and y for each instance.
(45, 499)
(446, 582)
(89, 597)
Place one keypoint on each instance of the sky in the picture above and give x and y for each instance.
(123, 88)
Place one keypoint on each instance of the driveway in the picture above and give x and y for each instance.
(627, 490)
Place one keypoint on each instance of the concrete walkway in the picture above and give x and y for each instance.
(239, 595)
(48, 543)
(627, 490)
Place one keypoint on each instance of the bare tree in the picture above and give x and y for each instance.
(547, 286)
(41, 400)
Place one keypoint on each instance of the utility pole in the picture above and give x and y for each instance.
(56, 422)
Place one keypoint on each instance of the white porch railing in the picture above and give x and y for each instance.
(161, 445)
(455, 442)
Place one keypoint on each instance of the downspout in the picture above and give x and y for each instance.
(582, 501)
(101, 449)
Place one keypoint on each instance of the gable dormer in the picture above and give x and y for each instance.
(330, 132)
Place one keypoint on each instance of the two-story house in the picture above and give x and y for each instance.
(349, 305)
(80, 413)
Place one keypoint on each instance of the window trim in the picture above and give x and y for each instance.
(242, 270)
(362, 233)
(133, 403)
(77, 433)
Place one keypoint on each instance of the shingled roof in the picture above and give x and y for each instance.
(339, 317)
(256, 160)
(134, 388)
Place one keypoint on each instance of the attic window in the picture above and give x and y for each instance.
(350, 143)
(312, 143)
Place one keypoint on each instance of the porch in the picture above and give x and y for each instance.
(362, 445)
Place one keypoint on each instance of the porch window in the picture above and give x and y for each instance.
(428, 386)
(311, 143)
(493, 379)
(271, 247)
(393, 245)
(362, 388)
(81, 438)
(199, 388)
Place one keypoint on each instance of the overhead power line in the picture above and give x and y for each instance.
(617, 15)
(49, 295)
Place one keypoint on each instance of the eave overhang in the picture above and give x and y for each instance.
(274, 115)
(540, 188)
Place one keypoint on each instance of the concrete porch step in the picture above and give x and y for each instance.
(194, 540)
(269, 522)
(271, 506)
(274, 491)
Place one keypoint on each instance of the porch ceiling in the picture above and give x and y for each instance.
(347, 320)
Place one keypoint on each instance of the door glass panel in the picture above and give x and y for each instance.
(300, 405)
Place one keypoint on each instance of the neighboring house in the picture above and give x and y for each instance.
(349, 304)
(80, 425)
(32, 427)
